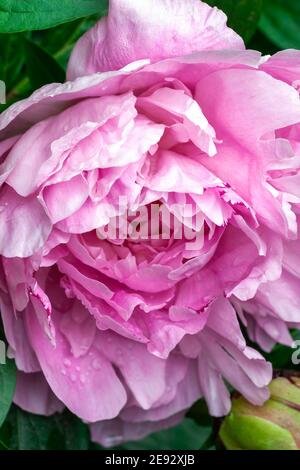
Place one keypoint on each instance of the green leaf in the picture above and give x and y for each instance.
(25, 15)
(261, 43)
(33, 431)
(11, 58)
(243, 15)
(59, 41)
(26, 431)
(60, 432)
(42, 68)
(280, 22)
(7, 387)
(74, 433)
(8, 431)
(199, 413)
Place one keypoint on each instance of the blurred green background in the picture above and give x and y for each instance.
(36, 39)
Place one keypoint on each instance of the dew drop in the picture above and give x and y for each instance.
(63, 371)
(236, 262)
(111, 441)
(67, 362)
(82, 378)
(96, 364)
(73, 377)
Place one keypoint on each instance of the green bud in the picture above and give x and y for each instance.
(273, 426)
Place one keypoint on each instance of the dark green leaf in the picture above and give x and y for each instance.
(281, 356)
(8, 431)
(243, 15)
(261, 43)
(25, 15)
(42, 68)
(74, 433)
(11, 58)
(25, 431)
(7, 387)
(280, 22)
(33, 431)
(199, 413)
(59, 41)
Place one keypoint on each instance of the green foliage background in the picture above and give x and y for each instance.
(36, 38)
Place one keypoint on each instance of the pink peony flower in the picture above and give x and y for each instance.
(128, 332)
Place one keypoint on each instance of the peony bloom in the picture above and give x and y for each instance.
(128, 332)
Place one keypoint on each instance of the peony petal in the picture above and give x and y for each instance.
(184, 26)
(34, 395)
(53, 138)
(170, 171)
(135, 363)
(15, 331)
(24, 225)
(87, 385)
(113, 433)
(74, 193)
(284, 65)
(167, 105)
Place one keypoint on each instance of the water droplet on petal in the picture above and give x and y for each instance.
(82, 378)
(67, 362)
(236, 262)
(111, 441)
(73, 377)
(63, 371)
(96, 364)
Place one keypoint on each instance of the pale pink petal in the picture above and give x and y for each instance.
(87, 385)
(24, 225)
(284, 65)
(34, 395)
(184, 26)
(74, 193)
(113, 433)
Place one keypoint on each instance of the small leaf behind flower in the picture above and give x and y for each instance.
(42, 68)
(24, 15)
(7, 387)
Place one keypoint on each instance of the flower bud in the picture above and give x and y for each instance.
(273, 426)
